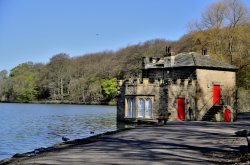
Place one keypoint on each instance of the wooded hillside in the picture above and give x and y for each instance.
(224, 29)
(90, 78)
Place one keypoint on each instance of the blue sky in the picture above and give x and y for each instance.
(35, 30)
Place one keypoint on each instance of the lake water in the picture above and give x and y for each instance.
(25, 127)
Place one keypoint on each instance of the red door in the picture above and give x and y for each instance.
(216, 95)
(181, 108)
(227, 115)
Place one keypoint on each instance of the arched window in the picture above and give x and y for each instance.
(133, 108)
(129, 102)
(141, 108)
(148, 108)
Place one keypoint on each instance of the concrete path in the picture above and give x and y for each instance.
(175, 143)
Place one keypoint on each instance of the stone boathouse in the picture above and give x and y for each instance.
(185, 86)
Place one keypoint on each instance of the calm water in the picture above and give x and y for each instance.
(25, 127)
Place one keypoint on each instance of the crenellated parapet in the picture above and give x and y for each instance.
(157, 82)
(138, 81)
(186, 86)
(145, 87)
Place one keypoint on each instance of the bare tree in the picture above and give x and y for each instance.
(214, 16)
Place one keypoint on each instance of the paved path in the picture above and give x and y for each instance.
(175, 143)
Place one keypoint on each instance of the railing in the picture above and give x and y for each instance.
(205, 105)
(223, 100)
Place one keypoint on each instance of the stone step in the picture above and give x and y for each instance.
(209, 116)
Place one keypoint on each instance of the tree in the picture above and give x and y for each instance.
(59, 75)
(214, 16)
(42, 81)
(78, 89)
(109, 88)
(225, 30)
(3, 75)
(222, 24)
(3, 85)
(23, 80)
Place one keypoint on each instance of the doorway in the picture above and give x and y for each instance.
(216, 95)
(227, 115)
(181, 109)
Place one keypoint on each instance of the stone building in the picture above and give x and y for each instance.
(186, 86)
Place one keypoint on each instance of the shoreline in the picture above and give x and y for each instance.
(204, 143)
(48, 124)
(199, 143)
(62, 102)
(59, 146)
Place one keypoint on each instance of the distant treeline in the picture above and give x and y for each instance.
(86, 79)
(224, 29)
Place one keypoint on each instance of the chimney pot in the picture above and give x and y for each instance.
(204, 51)
(168, 50)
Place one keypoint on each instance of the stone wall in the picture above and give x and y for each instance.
(166, 86)
(181, 73)
(153, 74)
(138, 89)
(120, 101)
(182, 89)
(177, 73)
(206, 79)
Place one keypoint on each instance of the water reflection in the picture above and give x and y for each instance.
(25, 127)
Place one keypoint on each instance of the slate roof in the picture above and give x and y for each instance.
(195, 60)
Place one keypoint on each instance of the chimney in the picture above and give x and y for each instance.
(168, 51)
(143, 62)
(204, 51)
(169, 58)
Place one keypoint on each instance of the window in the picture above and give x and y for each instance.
(148, 108)
(141, 108)
(131, 108)
(145, 108)
(129, 102)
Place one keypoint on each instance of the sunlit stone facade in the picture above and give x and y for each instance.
(186, 86)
